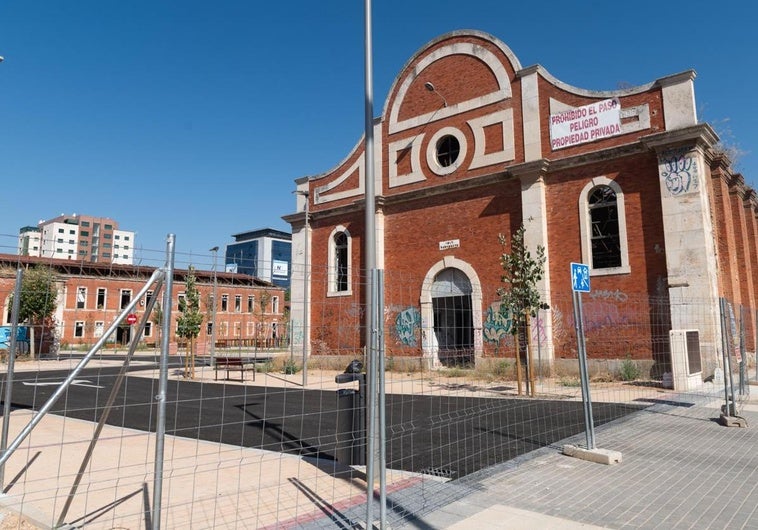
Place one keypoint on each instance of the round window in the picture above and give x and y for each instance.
(448, 149)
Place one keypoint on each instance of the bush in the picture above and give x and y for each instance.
(265, 367)
(290, 367)
(629, 371)
(455, 371)
(502, 369)
(571, 382)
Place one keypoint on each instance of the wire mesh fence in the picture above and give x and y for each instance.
(253, 444)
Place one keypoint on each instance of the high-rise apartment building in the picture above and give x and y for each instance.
(78, 237)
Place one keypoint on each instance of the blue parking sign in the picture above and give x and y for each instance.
(580, 277)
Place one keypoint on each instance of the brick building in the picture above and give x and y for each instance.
(469, 145)
(91, 295)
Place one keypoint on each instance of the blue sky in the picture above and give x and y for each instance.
(194, 118)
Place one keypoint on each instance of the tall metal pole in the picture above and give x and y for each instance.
(213, 310)
(725, 354)
(373, 312)
(9, 375)
(306, 230)
(160, 429)
(589, 423)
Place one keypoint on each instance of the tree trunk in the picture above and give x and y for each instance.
(530, 355)
(187, 360)
(192, 357)
(519, 376)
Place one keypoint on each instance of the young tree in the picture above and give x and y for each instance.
(189, 321)
(38, 300)
(521, 299)
(263, 301)
(157, 318)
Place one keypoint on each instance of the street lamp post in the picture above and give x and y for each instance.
(213, 309)
(305, 195)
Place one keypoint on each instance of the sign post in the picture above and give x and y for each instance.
(580, 283)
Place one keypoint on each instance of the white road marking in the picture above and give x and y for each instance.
(77, 382)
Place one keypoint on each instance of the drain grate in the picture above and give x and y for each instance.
(438, 472)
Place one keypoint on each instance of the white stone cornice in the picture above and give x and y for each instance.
(702, 135)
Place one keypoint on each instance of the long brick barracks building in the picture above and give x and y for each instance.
(90, 296)
(470, 145)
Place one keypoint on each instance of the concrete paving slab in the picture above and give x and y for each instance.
(502, 516)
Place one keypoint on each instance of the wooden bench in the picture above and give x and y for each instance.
(232, 364)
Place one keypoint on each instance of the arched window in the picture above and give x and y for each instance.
(340, 248)
(603, 227)
(604, 222)
(340, 261)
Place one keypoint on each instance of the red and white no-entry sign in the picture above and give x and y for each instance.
(131, 318)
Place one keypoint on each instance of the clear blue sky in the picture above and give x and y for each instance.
(194, 118)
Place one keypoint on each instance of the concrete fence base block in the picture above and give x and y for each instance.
(732, 421)
(600, 456)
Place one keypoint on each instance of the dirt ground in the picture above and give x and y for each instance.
(11, 521)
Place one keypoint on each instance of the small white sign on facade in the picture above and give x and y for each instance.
(450, 243)
(281, 268)
(585, 124)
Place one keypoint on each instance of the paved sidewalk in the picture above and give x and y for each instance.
(680, 469)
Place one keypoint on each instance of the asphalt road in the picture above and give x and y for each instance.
(440, 435)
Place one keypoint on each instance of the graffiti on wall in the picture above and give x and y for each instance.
(498, 323)
(407, 326)
(601, 313)
(539, 333)
(679, 172)
(296, 331)
(617, 294)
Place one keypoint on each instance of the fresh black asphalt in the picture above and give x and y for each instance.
(449, 436)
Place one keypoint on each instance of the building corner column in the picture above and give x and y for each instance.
(689, 235)
(534, 218)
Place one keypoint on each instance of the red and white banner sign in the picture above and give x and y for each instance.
(585, 124)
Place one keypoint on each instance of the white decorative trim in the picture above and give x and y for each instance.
(586, 230)
(641, 112)
(431, 151)
(416, 174)
(601, 94)
(321, 194)
(504, 117)
(332, 267)
(530, 112)
(459, 48)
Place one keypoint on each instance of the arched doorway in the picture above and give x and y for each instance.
(453, 322)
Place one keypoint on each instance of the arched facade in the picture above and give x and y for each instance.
(470, 145)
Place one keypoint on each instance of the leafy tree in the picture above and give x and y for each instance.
(189, 321)
(157, 318)
(263, 301)
(38, 300)
(521, 299)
